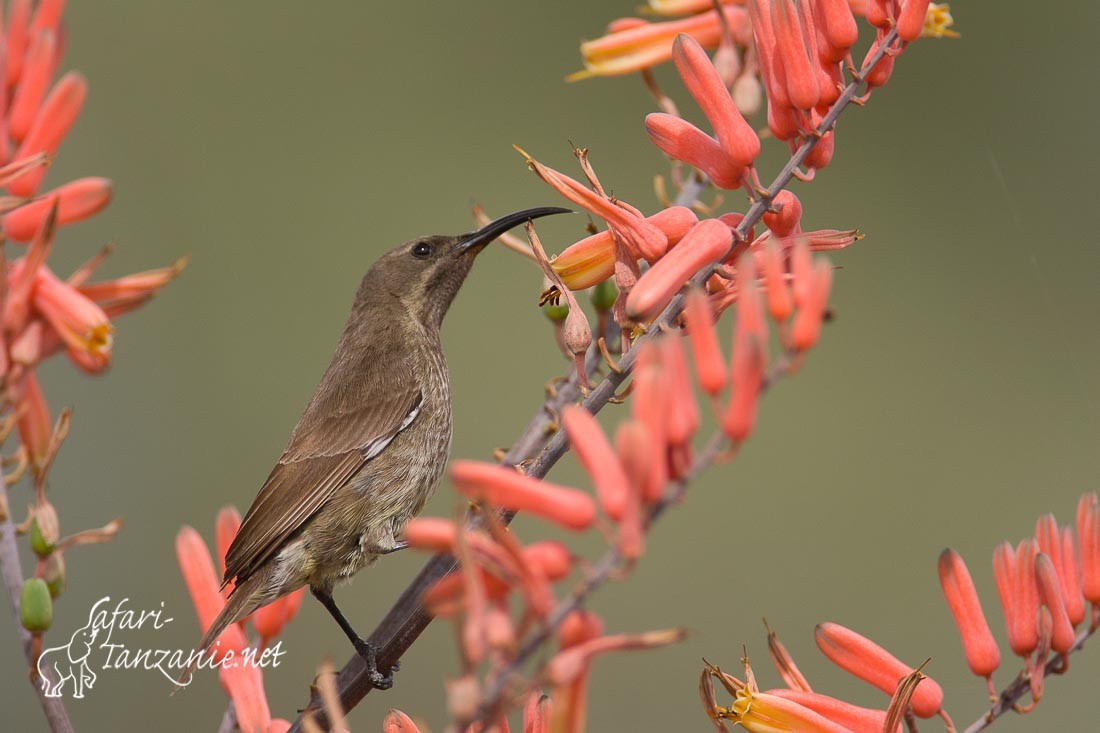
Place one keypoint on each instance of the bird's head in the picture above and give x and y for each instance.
(424, 274)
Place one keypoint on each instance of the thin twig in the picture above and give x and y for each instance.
(56, 715)
(407, 618)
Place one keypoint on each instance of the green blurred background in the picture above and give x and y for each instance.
(286, 145)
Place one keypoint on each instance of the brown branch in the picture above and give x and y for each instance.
(56, 715)
(407, 618)
(1020, 686)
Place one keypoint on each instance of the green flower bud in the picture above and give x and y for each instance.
(41, 546)
(556, 313)
(604, 294)
(35, 606)
(53, 573)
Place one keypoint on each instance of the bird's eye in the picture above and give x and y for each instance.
(422, 250)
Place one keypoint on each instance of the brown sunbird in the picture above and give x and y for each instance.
(370, 448)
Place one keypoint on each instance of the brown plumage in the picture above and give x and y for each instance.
(371, 446)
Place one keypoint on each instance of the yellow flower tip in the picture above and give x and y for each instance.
(524, 153)
(938, 22)
(580, 75)
(100, 338)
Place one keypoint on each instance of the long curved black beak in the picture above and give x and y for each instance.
(476, 240)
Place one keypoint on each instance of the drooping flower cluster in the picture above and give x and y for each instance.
(243, 682)
(44, 314)
(41, 313)
(634, 476)
(1049, 587)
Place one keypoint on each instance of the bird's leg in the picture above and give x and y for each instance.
(363, 648)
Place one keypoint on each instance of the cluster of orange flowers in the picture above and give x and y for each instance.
(43, 314)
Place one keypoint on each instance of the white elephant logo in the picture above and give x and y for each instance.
(69, 662)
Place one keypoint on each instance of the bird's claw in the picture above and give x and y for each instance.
(369, 654)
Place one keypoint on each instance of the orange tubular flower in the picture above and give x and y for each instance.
(226, 525)
(77, 200)
(270, 620)
(80, 323)
(780, 301)
(710, 367)
(685, 7)
(807, 322)
(785, 215)
(641, 237)
(139, 285)
(1050, 593)
(1049, 538)
(569, 664)
(244, 684)
(592, 260)
(910, 22)
(536, 713)
(197, 569)
(38, 66)
(680, 140)
(850, 717)
(707, 242)
(682, 417)
(763, 712)
(643, 45)
(595, 453)
(397, 722)
(1088, 539)
(633, 444)
(505, 488)
(979, 647)
(57, 115)
(749, 358)
(838, 27)
(34, 423)
(866, 660)
(19, 17)
(738, 140)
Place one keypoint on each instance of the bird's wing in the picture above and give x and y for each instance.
(340, 431)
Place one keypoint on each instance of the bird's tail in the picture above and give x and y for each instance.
(245, 598)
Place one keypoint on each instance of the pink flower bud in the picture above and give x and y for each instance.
(838, 27)
(37, 68)
(866, 660)
(397, 722)
(680, 140)
(1013, 572)
(18, 25)
(1088, 539)
(707, 242)
(780, 301)
(633, 444)
(911, 19)
(880, 74)
(785, 216)
(77, 200)
(594, 452)
(226, 526)
(736, 136)
(710, 367)
(56, 116)
(536, 713)
(793, 52)
(979, 647)
(1050, 593)
(807, 322)
(197, 569)
(505, 488)
(682, 419)
(34, 423)
(1049, 539)
(567, 665)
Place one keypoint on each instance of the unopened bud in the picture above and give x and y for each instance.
(35, 606)
(603, 295)
(53, 572)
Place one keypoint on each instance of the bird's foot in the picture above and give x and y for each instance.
(367, 651)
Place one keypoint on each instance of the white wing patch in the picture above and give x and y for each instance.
(373, 449)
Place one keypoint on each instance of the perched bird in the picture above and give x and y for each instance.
(370, 448)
